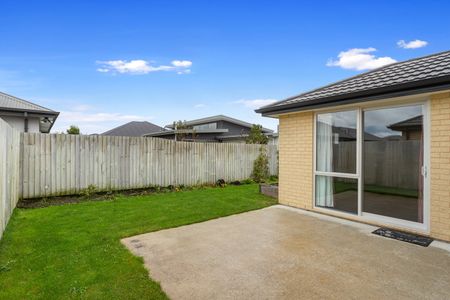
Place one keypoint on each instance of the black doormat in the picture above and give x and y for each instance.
(403, 236)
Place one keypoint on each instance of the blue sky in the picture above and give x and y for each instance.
(105, 63)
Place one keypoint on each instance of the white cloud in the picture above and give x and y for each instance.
(200, 105)
(93, 122)
(412, 44)
(82, 107)
(360, 59)
(186, 71)
(140, 66)
(255, 103)
(182, 63)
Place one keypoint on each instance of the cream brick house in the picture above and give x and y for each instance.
(374, 148)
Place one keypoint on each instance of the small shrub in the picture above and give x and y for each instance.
(273, 178)
(237, 182)
(89, 191)
(261, 166)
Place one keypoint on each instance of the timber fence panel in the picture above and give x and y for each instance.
(10, 172)
(60, 164)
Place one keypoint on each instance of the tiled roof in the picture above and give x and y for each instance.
(411, 122)
(13, 103)
(411, 72)
(134, 128)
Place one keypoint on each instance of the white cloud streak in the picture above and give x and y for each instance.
(182, 63)
(412, 44)
(93, 122)
(360, 59)
(140, 67)
(255, 103)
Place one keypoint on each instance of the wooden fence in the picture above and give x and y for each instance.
(60, 164)
(9, 172)
(387, 163)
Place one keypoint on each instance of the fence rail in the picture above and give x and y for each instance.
(9, 172)
(60, 164)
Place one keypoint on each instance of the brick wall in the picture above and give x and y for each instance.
(296, 159)
(296, 163)
(440, 166)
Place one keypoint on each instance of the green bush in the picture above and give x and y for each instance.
(261, 166)
(89, 191)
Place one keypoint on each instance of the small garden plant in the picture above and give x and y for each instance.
(260, 171)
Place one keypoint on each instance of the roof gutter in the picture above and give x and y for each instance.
(30, 111)
(412, 88)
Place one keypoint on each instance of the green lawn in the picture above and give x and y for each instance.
(74, 250)
(340, 187)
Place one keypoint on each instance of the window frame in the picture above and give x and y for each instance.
(364, 216)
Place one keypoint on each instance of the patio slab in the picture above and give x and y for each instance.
(284, 253)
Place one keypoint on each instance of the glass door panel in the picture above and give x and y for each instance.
(336, 154)
(393, 161)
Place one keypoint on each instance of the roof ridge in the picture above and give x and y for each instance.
(26, 101)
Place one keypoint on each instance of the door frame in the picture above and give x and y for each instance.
(365, 216)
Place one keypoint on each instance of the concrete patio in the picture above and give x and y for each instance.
(284, 253)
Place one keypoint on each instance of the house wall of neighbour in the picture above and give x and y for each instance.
(200, 137)
(440, 166)
(18, 123)
(296, 145)
(233, 129)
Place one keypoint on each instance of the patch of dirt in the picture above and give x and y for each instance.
(62, 200)
(101, 196)
(105, 196)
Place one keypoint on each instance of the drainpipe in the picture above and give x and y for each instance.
(25, 129)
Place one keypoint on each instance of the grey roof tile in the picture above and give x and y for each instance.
(134, 128)
(13, 103)
(411, 71)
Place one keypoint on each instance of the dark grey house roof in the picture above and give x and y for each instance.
(419, 75)
(134, 128)
(219, 118)
(411, 123)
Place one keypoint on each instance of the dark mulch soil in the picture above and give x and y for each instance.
(61, 200)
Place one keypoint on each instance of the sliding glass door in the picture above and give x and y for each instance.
(370, 162)
(393, 162)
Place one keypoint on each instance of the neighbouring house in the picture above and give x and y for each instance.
(410, 129)
(394, 170)
(220, 128)
(25, 116)
(134, 128)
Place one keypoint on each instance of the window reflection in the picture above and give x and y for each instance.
(336, 142)
(393, 184)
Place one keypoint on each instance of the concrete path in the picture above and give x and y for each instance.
(283, 253)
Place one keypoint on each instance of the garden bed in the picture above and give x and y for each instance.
(270, 190)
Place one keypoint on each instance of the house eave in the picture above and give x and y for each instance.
(53, 115)
(427, 86)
